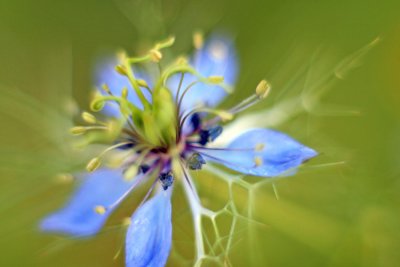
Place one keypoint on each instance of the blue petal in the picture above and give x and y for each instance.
(280, 154)
(149, 237)
(217, 57)
(103, 187)
(105, 73)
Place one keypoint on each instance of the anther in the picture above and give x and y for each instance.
(93, 164)
(126, 221)
(89, 118)
(131, 172)
(258, 161)
(259, 147)
(124, 92)
(263, 89)
(78, 130)
(106, 88)
(198, 40)
(100, 209)
(215, 79)
(155, 55)
(142, 83)
(121, 70)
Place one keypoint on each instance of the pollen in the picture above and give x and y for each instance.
(259, 147)
(258, 161)
(100, 209)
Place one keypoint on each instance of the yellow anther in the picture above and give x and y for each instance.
(131, 172)
(166, 43)
(77, 130)
(225, 116)
(216, 79)
(100, 209)
(258, 161)
(181, 60)
(124, 92)
(93, 164)
(259, 147)
(142, 83)
(155, 55)
(198, 40)
(121, 70)
(106, 88)
(126, 221)
(89, 118)
(263, 89)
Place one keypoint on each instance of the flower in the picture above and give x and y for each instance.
(161, 126)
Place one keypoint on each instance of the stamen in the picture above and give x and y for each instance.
(126, 221)
(258, 161)
(198, 40)
(259, 147)
(88, 118)
(222, 114)
(134, 184)
(121, 70)
(93, 164)
(216, 79)
(124, 93)
(133, 170)
(100, 209)
(263, 89)
(155, 55)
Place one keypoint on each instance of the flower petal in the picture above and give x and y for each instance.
(101, 188)
(217, 57)
(149, 237)
(105, 73)
(262, 152)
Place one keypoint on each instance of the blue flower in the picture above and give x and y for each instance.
(160, 126)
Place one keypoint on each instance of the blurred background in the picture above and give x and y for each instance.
(341, 209)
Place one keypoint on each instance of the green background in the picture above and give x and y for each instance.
(341, 209)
